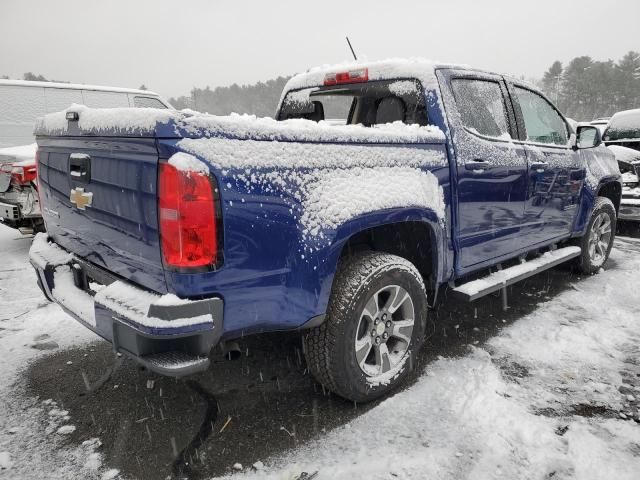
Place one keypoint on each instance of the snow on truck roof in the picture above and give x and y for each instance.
(393, 68)
(75, 86)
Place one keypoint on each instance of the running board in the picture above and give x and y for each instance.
(498, 280)
(174, 364)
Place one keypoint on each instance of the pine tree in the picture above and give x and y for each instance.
(551, 81)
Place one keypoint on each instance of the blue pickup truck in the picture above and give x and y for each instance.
(377, 186)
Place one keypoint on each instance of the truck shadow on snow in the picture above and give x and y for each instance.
(247, 410)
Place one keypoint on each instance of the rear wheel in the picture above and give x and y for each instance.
(596, 244)
(374, 327)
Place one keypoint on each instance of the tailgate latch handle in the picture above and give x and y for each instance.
(80, 167)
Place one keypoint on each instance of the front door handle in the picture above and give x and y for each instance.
(477, 165)
(539, 167)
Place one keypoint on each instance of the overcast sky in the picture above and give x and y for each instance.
(172, 46)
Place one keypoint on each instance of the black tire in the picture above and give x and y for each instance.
(586, 262)
(330, 349)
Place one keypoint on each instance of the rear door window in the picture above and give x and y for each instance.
(542, 122)
(481, 106)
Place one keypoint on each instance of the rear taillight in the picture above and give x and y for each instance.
(21, 174)
(187, 218)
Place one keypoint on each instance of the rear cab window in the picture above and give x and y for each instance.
(371, 103)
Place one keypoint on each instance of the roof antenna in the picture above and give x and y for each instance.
(352, 52)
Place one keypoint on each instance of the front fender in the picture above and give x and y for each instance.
(601, 171)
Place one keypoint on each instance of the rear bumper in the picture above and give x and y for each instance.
(168, 335)
(629, 209)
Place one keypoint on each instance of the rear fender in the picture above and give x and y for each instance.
(441, 259)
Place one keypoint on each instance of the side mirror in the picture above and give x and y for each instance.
(587, 136)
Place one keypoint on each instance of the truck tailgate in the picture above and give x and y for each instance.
(99, 199)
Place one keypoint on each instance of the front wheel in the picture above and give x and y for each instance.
(374, 327)
(596, 244)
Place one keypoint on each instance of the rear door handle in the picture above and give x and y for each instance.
(477, 165)
(539, 166)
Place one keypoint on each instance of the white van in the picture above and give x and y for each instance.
(21, 103)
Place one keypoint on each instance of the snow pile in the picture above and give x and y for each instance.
(326, 185)
(30, 448)
(340, 195)
(625, 154)
(244, 127)
(134, 303)
(624, 125)
(403, 87)
(136, 121)
(144, 121)
(24, 154)
(188, 163)
(249, 154)
(71, 297)
(469, 417)
(124, 299)
(43, 252)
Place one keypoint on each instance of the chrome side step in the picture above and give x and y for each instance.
(498, 280)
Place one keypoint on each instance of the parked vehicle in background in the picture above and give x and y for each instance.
(601, 124)
(629, 164)
(624, 129)
(21, 103)
(171, 233)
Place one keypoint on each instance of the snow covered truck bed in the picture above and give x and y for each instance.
(171, 232)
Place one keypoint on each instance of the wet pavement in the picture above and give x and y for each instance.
(252, 408)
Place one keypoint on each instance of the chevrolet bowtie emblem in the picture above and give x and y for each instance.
(80, 198)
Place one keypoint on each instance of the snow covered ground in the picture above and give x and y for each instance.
(551, 396)
(33, 432)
